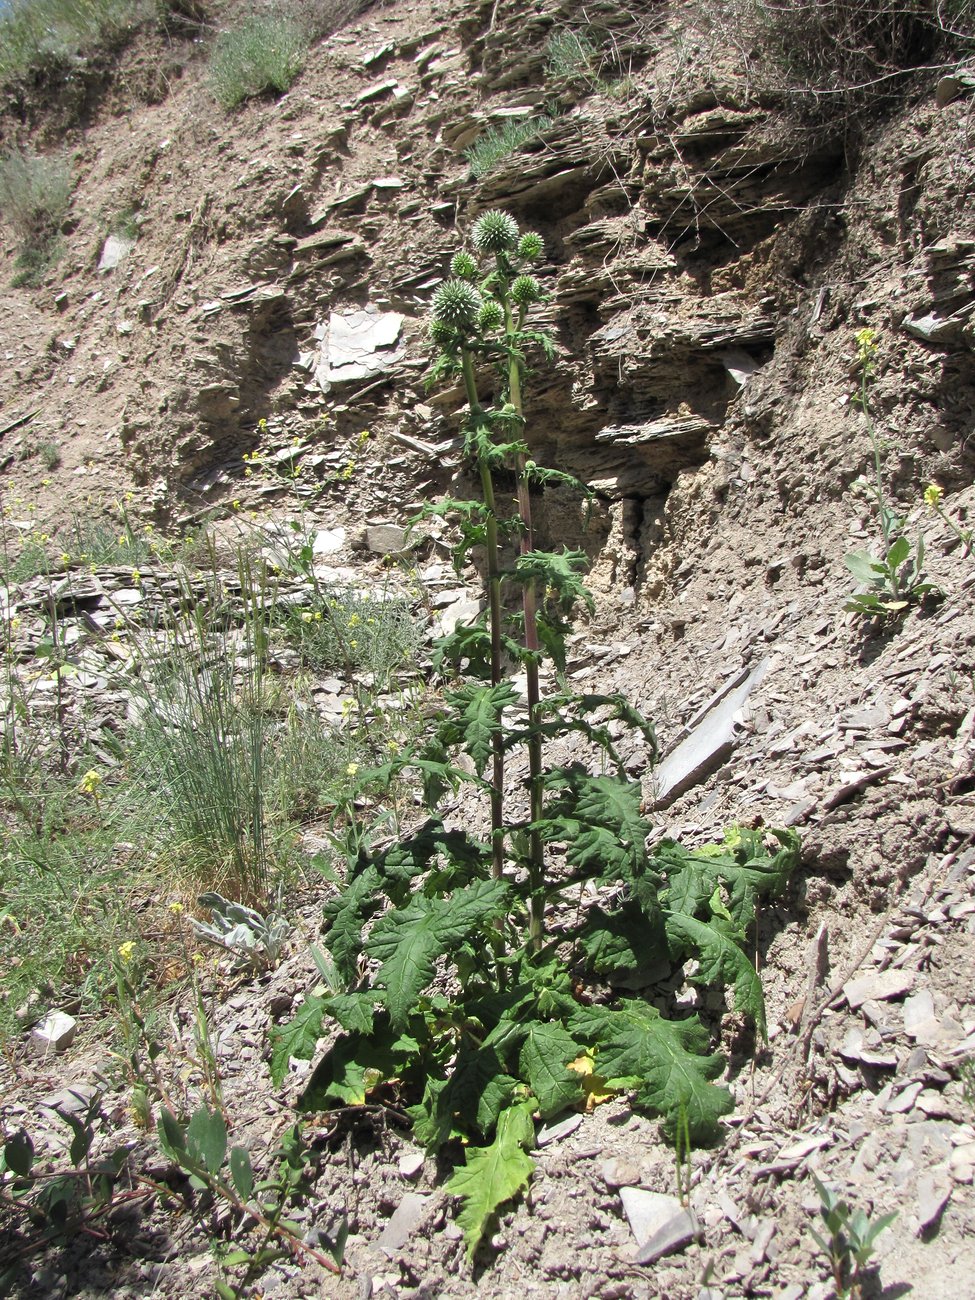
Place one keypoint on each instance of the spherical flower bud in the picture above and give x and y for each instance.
(456, 303)
(463, 267)
(490, 316)
(495, 232)
(445, 336)
(530, 246)
(525, 290)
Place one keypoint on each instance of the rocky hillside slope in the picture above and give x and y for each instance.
(711, 256)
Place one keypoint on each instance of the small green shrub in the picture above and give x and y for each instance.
(263, 55)
(346, 630)
(35, 190)
(499, 142)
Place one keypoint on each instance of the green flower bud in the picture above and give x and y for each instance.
(525, 290)
(530, 246)
(445, 336)
(490, 317)
(463, 267)
(495, 232)
(456, 303)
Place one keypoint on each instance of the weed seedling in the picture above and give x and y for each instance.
(848, 1239)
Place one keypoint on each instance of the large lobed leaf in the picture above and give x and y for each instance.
(494, 1174)
(664, 1062)
(717, 945)
(407, 941)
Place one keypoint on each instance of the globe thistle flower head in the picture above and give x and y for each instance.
(530, 246)
(463, 267)
(490, 316)
(525, 290)
(456, 303)
(445, 336)
(495, 232)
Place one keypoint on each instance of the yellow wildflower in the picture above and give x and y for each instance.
(126, 951)
(176, 908)
(932, 495)
(351, 769)
(90, 783)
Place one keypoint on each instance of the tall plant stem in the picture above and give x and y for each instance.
(494, 607)
(536, 851)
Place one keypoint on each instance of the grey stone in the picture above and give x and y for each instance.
(555, 1132)
(880, 986)
(406, 1219)
(55, 1033)
(677, 1233)
(710, 738)
(933, 1193)
(648, 1212)
(114, 249)
(357, 345)
(619, 1172)
(386, 539)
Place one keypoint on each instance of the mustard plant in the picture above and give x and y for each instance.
(933, 498)
(895, 579)
(468, 969)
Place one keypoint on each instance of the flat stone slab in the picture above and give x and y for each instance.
(677, 1233)
(357, 345)
(882, 986)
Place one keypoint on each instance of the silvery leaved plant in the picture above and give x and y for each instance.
(255, 941)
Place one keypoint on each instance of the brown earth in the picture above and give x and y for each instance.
(691, 231)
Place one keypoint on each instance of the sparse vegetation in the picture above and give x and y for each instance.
(261, 56)
(35, 190)
(833, 59)
(500, 142)
(848, 1239)
(571, 56)
(36, 35)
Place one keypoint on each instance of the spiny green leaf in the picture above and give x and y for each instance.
(717, 946)
(353, 1011)
(478, 718)
(206, 1138)
(298, 1038)
(545, 1053)
(494, 1174)
(355, 1066)
(408, 941)
(345, 917)
(558, 572)
(666, 1062)
(478, 1090)
(626, 941)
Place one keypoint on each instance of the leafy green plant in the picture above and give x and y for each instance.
(848, 1238)
(263, 55)
(500, 142)
(228, 1178)
(57, 1203)
(895, 579)
(468, 972)
(255, 941)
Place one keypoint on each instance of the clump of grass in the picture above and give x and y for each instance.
(35, 190)
(570, 56)
(499, 142)
(39, 34)
(203, 746)
(262, 56)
